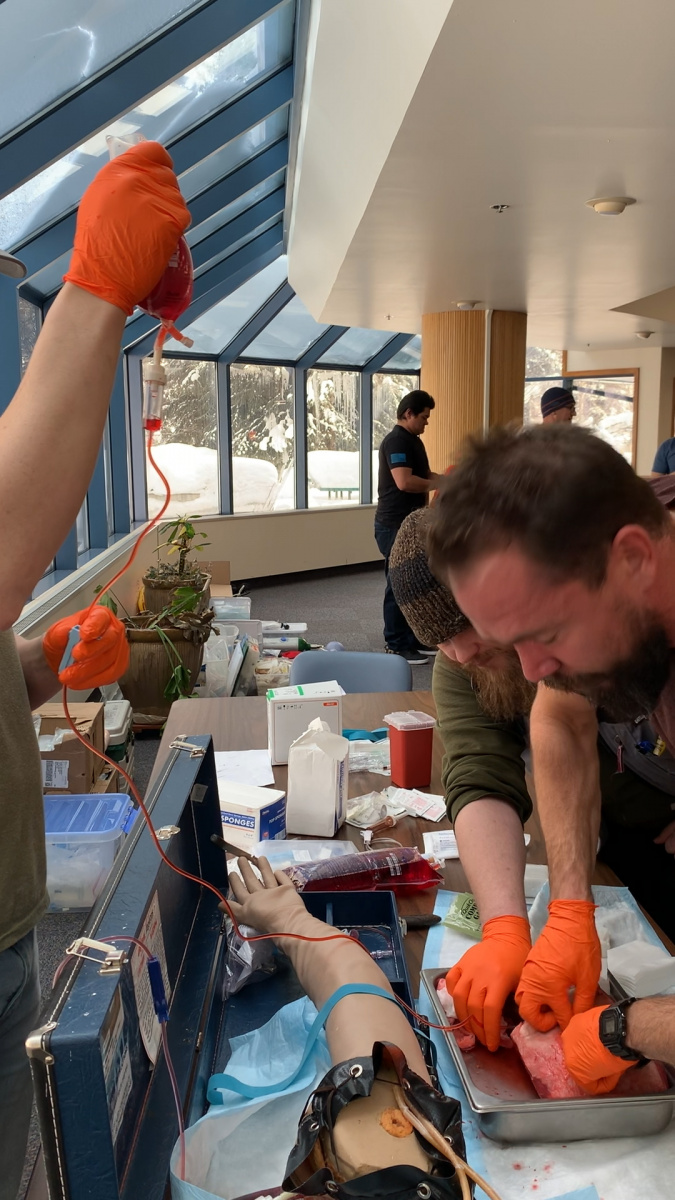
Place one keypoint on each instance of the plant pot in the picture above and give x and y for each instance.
(149, 669)
(160, 593)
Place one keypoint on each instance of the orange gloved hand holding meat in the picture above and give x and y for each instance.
(566, 954)
(100, 656)
(590, 1063)
(128, 225)
(483, 978)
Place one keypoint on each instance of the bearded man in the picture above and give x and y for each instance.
(483, 703)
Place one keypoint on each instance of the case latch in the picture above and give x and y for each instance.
(181, 743)
(112, 961)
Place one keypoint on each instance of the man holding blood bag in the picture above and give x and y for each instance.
(128, 226)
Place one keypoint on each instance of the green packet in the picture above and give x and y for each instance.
(463, 915)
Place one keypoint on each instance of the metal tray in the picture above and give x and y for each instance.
(506, 1107)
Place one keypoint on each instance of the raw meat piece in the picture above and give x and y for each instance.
(543, 1058)
(544, 1061)
(643, 1081)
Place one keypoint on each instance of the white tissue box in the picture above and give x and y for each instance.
(291, 709)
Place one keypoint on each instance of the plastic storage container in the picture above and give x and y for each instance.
(411, 743)
(229, 608)
(84, 834)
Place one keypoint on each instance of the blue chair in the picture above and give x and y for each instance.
(355, 671)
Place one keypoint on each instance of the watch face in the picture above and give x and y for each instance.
(611, 1025)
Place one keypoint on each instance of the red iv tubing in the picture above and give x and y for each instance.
(260, 937)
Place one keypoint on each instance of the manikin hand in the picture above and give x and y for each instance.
(271, 905)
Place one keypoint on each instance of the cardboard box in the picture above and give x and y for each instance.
(251, 814)
(220, 577)
(109, 781)
(67, 765)
(290, 710)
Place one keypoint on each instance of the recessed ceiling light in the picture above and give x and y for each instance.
(609, 206)
(464, 305)
(644, 333)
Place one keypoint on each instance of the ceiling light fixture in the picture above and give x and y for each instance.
(609, 206)
(500, 208)
(644, 333)
(465, 305)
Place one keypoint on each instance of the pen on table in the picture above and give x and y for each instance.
(230, 849)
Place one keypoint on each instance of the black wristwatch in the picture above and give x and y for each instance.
(612, 1030)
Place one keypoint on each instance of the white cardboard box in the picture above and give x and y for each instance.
(290, 710)
(251, 814)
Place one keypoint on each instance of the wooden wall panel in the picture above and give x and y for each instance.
(508, 336)
(453, 359)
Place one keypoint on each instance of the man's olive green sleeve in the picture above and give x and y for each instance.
(483, 757)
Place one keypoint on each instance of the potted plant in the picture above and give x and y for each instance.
(163, 582)
(165, 653)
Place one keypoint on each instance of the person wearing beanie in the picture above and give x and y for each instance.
(404, 483)
(557, 406)
(482, 700)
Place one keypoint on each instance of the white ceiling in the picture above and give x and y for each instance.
(537, 104)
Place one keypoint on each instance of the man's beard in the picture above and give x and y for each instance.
(504, 694)
(632, 688)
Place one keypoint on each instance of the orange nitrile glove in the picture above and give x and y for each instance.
(483, 978)
(566, 954)
(590, 1063)
(101, 655)
(128, 225)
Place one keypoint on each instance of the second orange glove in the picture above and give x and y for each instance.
(566, 954)
(101, 656)
(483, 978)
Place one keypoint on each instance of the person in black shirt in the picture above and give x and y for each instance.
(404, 482)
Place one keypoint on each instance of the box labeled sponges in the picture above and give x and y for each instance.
(291, 709)
(251, 814)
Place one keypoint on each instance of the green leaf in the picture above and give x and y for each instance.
(107, 601)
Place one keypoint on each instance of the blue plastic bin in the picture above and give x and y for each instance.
(84, 834)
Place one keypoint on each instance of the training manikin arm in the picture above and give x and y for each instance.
(356, 1022)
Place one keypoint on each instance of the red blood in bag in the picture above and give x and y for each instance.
(172, 295)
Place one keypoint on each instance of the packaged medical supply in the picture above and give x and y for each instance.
(318, 769)
(463, 915)
(642, 969)
(284, 852)
(290, 710)
(251, 814)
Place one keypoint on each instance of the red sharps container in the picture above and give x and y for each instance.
(411, 741)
